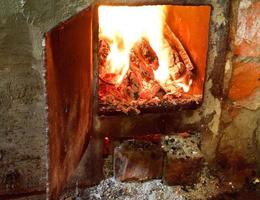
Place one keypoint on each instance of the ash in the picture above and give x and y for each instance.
(110, 189)
(152, 190)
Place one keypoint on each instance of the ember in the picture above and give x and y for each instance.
(141, 61)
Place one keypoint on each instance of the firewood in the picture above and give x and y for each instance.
(103, 51)
(177, 70)
(139, 86)
(130, 92)
(170, 87)
(145, 67)
(175, 43)
(146, 71)
(123, 88)
(160, 94)
(148, 54)
(134, 65)
(108, 78)
(150, 92)
(186, 77)
(175, 56)
(135, 81)
(131, 85)
(104, 75)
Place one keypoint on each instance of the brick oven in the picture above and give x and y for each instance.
(138, 102)
(123, 71)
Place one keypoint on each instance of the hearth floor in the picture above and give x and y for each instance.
(208, 187)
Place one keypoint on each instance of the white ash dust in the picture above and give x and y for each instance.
(111, 189)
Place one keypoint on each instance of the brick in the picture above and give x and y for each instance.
(138, 160)
(244, 80)
(247, 41)
(183, 162)
(247, 49)
(182, 171)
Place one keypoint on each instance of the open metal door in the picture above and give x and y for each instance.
(69, 96)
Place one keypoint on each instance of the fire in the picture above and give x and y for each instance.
(123, 26)
(140, 58)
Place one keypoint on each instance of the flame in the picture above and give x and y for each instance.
(123, 26)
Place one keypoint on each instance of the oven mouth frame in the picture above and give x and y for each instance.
(180, 104)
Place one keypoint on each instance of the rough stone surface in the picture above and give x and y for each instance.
(22, 106)
(247, 42)
(23, 118)
(137, 160)
(238, 152)
(245, 80)
(238, 147)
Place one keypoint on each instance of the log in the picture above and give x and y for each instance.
(176, 44)
(139, 88)
(108, 78)
(151, 92)
(131, 85)
(148, 54)
(103, 52)
(145, 68)
(177, 70)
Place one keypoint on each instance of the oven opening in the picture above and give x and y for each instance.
(151, 58)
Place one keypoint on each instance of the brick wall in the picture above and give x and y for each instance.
(239, 144)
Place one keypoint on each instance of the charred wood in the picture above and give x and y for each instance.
(139, 89)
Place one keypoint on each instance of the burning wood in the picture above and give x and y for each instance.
(175, 43)
(146, 53)
(139, 84)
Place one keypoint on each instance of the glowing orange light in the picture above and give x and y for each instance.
(123, 26)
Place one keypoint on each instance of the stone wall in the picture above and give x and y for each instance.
(23, 116)
(232, 126)
(239, 145)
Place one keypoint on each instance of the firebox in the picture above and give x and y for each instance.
(152, 57)
(121, 71)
